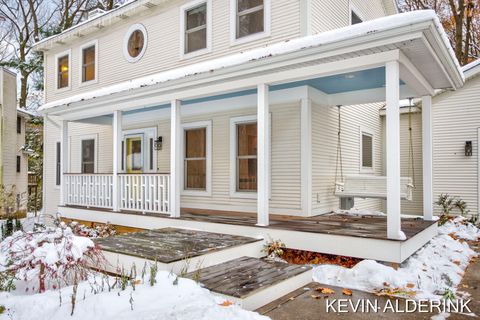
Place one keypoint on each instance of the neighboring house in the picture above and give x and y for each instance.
(456, 133)
(214, 106)
(14, 156)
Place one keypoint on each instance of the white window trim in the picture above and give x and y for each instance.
(191, 125)
(256, 36)
(146, 133)
(183, 10)
(57, 56)
(80, 60)
(363, 169)
(134, 27)
(95, 155)
(355, 10)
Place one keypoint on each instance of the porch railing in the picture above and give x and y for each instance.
(90, 190)
(137, 192)
(144, 192)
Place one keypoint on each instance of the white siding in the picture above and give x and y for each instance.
(456, 119)
(163, 50)
(324, 150)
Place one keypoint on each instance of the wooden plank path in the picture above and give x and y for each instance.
(168, 245)
(245, 276)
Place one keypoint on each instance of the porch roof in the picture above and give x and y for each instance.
(416, 36)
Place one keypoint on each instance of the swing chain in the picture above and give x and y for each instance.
(338, 160)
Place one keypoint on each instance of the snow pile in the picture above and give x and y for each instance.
(437, 267)
(461, 228)
(285, 47)
(166, 300)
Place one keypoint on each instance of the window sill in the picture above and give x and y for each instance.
(367, 170)
(87, 83)
(243, 195)
(193, 54)
(250, 38)
(63, 89)
(196, 193)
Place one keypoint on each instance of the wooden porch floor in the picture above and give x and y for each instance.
(337, 224)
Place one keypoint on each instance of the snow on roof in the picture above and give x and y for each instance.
(26, 112)
(471, 69)
(288, 46)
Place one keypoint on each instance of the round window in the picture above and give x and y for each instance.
(135, 42)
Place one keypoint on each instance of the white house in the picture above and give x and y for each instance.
(222, 116)
(13, 153)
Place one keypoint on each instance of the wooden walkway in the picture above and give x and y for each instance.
(245, 276)
(168, 245)
(338, 224)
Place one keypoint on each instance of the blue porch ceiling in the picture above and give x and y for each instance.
(339, 83)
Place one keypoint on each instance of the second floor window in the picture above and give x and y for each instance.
(196, 28)
(88, 63)
(249, 17)
(63, 72)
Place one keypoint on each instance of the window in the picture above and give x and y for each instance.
(367, 151)
(246, 159)
(88, 156)
(19, 124)
(63, 71)
(195, 171)
(58, 164)
(19, 163)
(250, 18)
(196, 28)
(135, 43)
(88, 63)
(354, 18)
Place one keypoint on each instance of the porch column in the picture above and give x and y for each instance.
(263, 156)
(393, 151)
(306, 155)
(175, 158)
(117, 158)
(427, 155)
(64, 161)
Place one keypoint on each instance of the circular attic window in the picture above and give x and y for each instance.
(135, 43)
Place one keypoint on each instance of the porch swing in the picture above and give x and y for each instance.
(370, 186)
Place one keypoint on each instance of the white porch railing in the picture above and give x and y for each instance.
(138, 192)
(144, 192)
(90, 190)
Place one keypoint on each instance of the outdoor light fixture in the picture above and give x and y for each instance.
(158, 143)
(468, 148)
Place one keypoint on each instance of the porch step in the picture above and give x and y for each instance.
(252, 282)
(174, 249)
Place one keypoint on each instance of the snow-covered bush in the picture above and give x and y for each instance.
(54, 256)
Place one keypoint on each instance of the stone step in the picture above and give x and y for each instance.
(252, 282)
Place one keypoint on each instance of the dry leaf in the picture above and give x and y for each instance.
(457, 262)
(226, 303)
(386, 284)
(324, 290)
(315, 297)
(347, 292)
(410, 285)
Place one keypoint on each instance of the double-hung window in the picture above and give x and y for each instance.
(197, 155)
(88, 62)
(366, 151)
(196, 27)
(63, 71)
(250, 18)
(246, 159)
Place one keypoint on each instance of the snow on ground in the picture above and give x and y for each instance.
(165, 301)
(436, 267)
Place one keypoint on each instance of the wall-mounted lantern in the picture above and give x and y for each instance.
(158, 143)
(468, 148)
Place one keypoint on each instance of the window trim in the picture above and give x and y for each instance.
(61, 55)
(256, 36)
(95, 155)
(131, 29)
(356, 11)
(93, 43)
(368, 132)
(183, 10)
(208, 188)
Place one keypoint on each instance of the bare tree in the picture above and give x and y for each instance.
(461, 20)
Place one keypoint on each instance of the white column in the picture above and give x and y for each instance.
(427, 155)
(393, 151)
(64, 161)
(306, 155)
(175, 158)
(263, 156)
(117, 158)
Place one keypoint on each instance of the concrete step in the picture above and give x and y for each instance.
(252, 282)
(176, 250)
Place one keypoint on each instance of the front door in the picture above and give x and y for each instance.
(134, 153)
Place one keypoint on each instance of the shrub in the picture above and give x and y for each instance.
(274, 247)
(446, 202)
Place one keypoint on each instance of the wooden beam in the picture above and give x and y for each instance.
(263, 154)
(393, 151)
(427, 157)
(175, 158)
